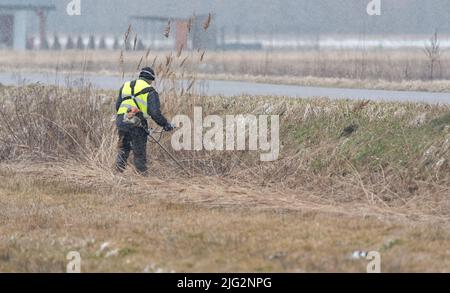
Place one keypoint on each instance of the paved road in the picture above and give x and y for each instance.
(235, 88)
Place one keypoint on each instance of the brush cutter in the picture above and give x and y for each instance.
(157, 141)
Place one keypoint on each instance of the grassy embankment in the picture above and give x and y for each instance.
(383, 187)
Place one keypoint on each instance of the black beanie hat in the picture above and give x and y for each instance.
(147, 73)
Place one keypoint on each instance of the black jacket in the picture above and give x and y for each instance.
(153, 109)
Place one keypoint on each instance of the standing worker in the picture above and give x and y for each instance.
(137, 101)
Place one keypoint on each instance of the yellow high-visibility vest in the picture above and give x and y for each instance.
(135, 94)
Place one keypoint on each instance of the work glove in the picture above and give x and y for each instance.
(168, 127)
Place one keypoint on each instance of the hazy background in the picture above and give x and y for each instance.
(259, 17)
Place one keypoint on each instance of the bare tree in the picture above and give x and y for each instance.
(433, 52)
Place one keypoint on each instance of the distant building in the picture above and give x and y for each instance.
(14, 17)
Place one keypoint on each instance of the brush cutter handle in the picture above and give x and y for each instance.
(149, 132)
(169, 127)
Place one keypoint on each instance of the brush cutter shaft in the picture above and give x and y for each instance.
(149, 132)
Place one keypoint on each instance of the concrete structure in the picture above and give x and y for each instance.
(13, 23)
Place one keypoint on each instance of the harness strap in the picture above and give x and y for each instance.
(133, 95)
(133, 85)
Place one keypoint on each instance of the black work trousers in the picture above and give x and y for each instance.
(134, 139)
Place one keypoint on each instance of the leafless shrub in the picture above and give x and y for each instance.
(433, 52)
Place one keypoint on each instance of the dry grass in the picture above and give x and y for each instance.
(47, 211)
(312, 81)
(384, 187)
(380, 69)
(388, 65)
(306, 212)
(398, 158)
